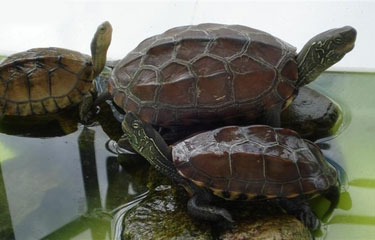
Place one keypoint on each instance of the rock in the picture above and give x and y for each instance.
(312, 115)
(163, 215)
(274, 227)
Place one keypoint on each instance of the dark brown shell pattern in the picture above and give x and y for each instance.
(254, 162)
(203, 73)
(43, 80)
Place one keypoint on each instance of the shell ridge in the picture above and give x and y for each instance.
(203, 33)
(288, 51)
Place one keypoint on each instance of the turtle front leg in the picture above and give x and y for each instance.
(332, 195)
(90, 104)
(302, 211)
(85, 108)
(199, 206)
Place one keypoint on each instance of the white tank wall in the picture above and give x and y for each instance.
(71, 24)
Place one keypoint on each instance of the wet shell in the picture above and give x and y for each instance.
(203, 73)
(43, 80)
(254, 162)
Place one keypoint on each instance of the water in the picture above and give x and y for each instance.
(355, 218)
(69, 186)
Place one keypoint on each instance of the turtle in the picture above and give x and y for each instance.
(256, 162)
(42, 81)
(211, 75)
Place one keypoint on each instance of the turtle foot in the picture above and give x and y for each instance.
(86, 109)
(226, 215)
(302, 211)
(308, 218)
(198, 206)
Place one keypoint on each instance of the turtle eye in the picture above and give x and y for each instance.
(135, 125)
(338, 40)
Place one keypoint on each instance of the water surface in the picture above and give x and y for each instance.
(66, 186)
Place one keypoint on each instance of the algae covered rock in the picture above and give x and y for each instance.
(311, 114)
(264, 226)
(163, 215)
(279, 227)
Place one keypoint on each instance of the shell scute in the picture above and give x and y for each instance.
(159, 54)
(175, 93)
(251, 161)
(39, 91)
(270, 54)
(230, 67)
(214, 90)
(187, 49)
(291, 189)
(245, 170)
(278, 165)
(146, 85)
(43, 80)
(262, 135)
(17, 91)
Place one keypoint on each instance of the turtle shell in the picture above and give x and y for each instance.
(254, 162)
(203, 73)
(43, 80)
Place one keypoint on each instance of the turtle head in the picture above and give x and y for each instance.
(138, 131)
(322, 51)
(99, 46)
(144, 138)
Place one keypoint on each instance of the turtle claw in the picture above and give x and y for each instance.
(308, 218)
(226, 215)
(302, 211)
(86, 113)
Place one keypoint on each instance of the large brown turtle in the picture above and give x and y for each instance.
(255, 162)
(215, 74)
(47, 80)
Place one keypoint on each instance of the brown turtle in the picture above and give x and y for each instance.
(240, 163)
(47, 80)
(215, 74)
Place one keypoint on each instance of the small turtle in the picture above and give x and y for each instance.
(217, 75)
(240, 163)
(47, 80)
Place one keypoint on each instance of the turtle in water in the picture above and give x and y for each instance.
(212, 75)
(43, 81)
(255, 162)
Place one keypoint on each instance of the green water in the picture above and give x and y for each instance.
(355, 92)
(70, 186)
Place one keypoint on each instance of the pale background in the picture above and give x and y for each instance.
(71, 24)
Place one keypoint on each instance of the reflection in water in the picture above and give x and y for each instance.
(353, 219)
(55, 187)
(6, 228)
(119, 214)
(88, 162)
(52, 125)
(363, 182)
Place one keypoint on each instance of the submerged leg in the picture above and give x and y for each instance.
(332, 195)
(302, 211)
(198, 206)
